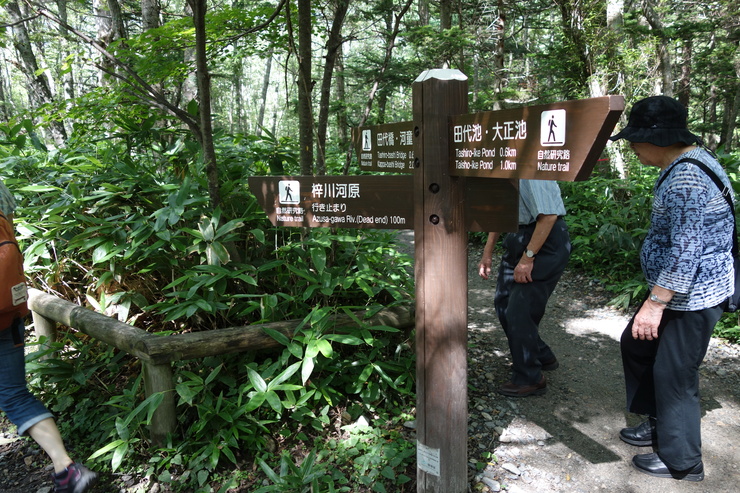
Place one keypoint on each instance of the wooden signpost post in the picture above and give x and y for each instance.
(465, 172)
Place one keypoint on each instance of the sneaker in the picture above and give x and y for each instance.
(76, 479)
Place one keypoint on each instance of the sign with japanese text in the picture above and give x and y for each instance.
(382, 202)
(387, 147)
(450, 193)
(558, 141)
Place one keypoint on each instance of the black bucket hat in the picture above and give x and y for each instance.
(658, 120)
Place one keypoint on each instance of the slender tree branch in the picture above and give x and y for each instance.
(20, 21)
(259, 27)
(386, 61)
(134, 80)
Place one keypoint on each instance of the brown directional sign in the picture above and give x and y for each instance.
(387, 147)
(491, 205)
(466, 169)
(382, 202)
(558, 141)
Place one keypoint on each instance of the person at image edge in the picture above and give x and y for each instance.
(687, 262)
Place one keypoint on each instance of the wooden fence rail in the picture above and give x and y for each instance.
(158, 352)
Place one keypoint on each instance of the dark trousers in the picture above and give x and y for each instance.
(662, 380)
(521, 306)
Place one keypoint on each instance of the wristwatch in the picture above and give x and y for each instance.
(529, 253)
(654, 298)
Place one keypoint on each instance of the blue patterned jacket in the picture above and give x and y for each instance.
(688, 247)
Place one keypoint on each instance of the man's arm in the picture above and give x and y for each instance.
(523, 270)
(486, 260)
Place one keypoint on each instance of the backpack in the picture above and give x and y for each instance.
(13, 293)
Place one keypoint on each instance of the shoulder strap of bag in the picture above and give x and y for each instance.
(722, 188)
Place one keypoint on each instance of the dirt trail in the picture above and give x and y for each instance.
(567, 440)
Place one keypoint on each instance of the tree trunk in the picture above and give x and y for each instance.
(265, 88)
(5, 101)
(614, 23)
(332, 48)
(189, 88)
(498, 55)
(684, 83)
(390, 44)
(119, 29)
(236, 108)
(614, 14)
(445, 14)
(665, 64)
(342, 119)
(712, 103)
(666, 69)
(732, 108)
(104, 28)
(445, 22)
(150, 11)
(382, 102)
(204, 93)
(39, 90)
(423, 12)
(305, 114)
(68, 81)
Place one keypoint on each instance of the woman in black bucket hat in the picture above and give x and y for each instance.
(687, 261)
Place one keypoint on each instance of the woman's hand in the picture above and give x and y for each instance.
(647, 320)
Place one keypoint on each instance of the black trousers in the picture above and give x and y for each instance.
(521, 306)
(662, 380)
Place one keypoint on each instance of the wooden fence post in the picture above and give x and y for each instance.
(159, 378)
(157, 353)
(441, 287)
(44, 327)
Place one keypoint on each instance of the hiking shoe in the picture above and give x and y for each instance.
(76, 479)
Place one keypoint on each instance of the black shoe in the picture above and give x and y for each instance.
(653, 465)
(642, 435)
(550, 364)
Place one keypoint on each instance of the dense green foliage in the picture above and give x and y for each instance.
(125, 233)
(143, 232)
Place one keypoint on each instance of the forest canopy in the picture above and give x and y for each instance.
(313, 70)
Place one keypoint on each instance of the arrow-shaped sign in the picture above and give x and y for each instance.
(558, 141)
